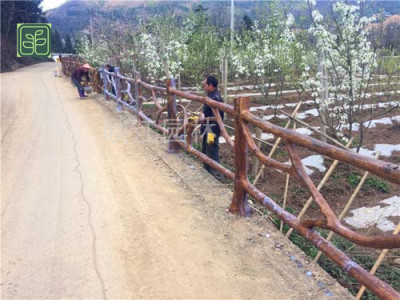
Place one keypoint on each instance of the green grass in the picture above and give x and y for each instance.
(370, 183)
(281, 153)
(354, 179)
(251, 178)
(196, 146)
(377, 184)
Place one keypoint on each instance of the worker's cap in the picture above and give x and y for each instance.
(87, 66)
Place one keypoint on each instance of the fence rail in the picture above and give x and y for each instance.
(119, 87)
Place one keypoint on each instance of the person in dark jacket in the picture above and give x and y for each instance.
(76, 78)
(210, 130)
(110, 68)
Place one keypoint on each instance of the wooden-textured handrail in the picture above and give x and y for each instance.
(244, 142)
(383, 169)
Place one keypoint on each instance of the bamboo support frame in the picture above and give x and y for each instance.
(320, 185)
(266, 159)
(256, 138)
(380, 288)
(377, 264)
(347, 207)
(278, 141)
(382, 169)
(314, 129)
(285, 194)
(255, 162)
(329, 220)
(285, 198)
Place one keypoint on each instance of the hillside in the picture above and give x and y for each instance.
(74, 16)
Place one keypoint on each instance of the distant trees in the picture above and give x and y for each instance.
(12, 13)
(391, 34)
(56, 43)
(59, 45)
(156, 47)
(247, 23)
(68, 45)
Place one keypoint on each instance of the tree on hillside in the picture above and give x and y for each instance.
(12, 13)
(68, 44)
(247, 23)
(392, 33)
(56, 44)
(220, 15)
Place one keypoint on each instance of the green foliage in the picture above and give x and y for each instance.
(12, 13)
(251, 178)
(56, 44)
(354, 179)
(296, 238)
(203, 49)
(68, 45)
(371, 182)
(388, 63)
(377, 184)
(247, 23)
(281, 153)
(196, 146)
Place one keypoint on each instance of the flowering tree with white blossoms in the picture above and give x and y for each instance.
(346, 59)
(163, 49)
(266, 55)
(94, 54)
(167, 45)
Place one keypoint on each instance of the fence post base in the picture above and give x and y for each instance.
(240, 205)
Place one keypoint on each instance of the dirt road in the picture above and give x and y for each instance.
(90, 211)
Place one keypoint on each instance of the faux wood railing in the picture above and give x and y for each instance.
(243, 143)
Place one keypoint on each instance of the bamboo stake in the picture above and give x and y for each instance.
(255, 161)
(254, 137)
(285, 197)
(226, 79)
(278, 141)
(286, 189)
(377, 264)
(320, 185)
(313, 129)
(347, 207)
